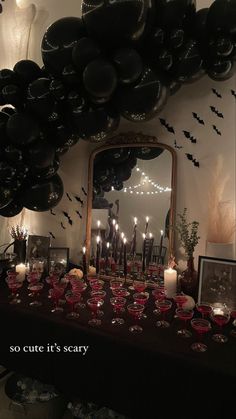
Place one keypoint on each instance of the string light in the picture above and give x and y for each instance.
(147, 180)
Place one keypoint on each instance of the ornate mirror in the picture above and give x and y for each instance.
(132, 188)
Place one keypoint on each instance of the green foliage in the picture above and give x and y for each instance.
(188, 233)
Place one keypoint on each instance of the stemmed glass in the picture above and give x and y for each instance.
(221, 317)
(205, 309)
(14, 286)
(72, 297)
(79, 286)
(135, 310)
(139, 285)
(118, 304)
(184, 315)
(94, 305)
(55, 294)
(97, 285)
(159, 295)
(141, 298)
(33, 278)
(35, 289)
(201, 326)
(180, 298)
(116, 283)
(163, 306)
(98, 294)
(233, 316)
(120, 292)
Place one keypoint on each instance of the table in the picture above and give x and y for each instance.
(151, 375)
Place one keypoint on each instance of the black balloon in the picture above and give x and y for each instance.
(189, 62)
(116, 21)
(222, 17)
(48, 172)
(84, 51)
(115, 155)
(7, 77)
(61, 150)
(144, 100)
(12, 95)
(39, 98)
(43, 196)
(57, 88)
(7, 172)
(22, 129)
(148, 153)
(40, 155)
(165, 60)
(70, 75)
(27, 71)
(221, 47)
(176, 13)
(118, 186)
(176, 38)
(12, 209)
(13, 155)
(200, 26)
(128, 63)
(220, 70)
(9, 110)
(100, 78)
(6, 196)
(122, 173)
(58, 43)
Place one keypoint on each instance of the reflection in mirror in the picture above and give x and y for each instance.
(132, 198)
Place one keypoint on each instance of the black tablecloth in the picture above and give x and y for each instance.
(151, 375)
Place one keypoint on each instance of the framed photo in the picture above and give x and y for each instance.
(58, 259)
(217, 281)
(38, 247)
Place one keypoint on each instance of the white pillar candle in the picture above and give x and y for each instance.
(170, 282)
(21, 270)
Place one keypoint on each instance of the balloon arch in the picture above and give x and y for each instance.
(122, 58)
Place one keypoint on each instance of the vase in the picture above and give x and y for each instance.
(189, 279)
(220, 250)
(20, 250)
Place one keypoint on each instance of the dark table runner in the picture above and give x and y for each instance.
(151, 375)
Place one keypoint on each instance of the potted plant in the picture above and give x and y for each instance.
(188, 234)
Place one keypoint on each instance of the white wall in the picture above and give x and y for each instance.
(192, 183)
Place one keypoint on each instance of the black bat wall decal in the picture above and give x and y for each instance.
(215, 111)
(216, 130)
(233, 93)
(84, 192)
(68, 196)
(62, 226)
(77, 212)
(68, 217)
(190, 137)
(52, 235)
(197, 117)
(79, 200)
(192, 159)
(167, 126)
(216, 93)
(196, 163)
(177, 146)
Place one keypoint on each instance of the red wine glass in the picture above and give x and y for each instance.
(79, 286)
(220, 316)
(233, 316)
(94, 304)
(14, 286)
(159, 295)
(163, 306)
(184, 315)
(135, 310)
(72, 297)
(139, 285)
(55, 294)
(116, 283)
(204, 309)
(120, 292)
(118, 304)
(98, 294)
(180, 298)
(201, 326)
(97, 285)
(35, 289)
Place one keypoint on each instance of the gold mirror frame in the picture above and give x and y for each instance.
(132, 139)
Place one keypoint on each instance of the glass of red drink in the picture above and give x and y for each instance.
(201, 326)
(14, 286)
(185, 316)
(120, 292)
(94, 304)
(116, 283)
(233, 316)
(180, 298)
(135, 310)
(35, 289)
(163, 306)
(55, 294)
(139, 285)
(220, 316)
(205, 309)
(118, 304)
(159, 295)
(97, 285)
(72, 297)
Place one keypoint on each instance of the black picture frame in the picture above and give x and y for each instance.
(58, 259)
(217, 281)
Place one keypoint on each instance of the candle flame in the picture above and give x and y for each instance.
(122, 235)
(98, 239)
(108, 245)
(113, 222)
(150, 235)
(125, 240)
(144, 236)
(147, 219)
(98, 223)
(117, 227)
(162, 232)
(84, 249)
(135, 220)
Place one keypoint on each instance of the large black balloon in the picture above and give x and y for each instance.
(100, 78)
(27, 71)
(57, 89)
(43, 196)
(173, 14)
(58, 43)
(7, 77)
(13, 155)
(148, 153)
(115, 21)
(7, 172)
(12, 209)
(4, 117)
(40, 155)
(144, 100)
(84, 51)
(122, 172)
(115, 155)
(12, 95)
(189, 62)
(48, 172)
(222, 17)
(39, 97)
(220, 70)
(128, 63)
(6, 196)
(22, 129)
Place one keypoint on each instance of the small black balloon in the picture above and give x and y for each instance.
(48, 172)
(41, 155)
(115, 155)
(118, 186)
(70, 75)
(12, 209)
(165, 60)
(6, 196)
(128, 63)
(27, 71)
(176, 38)
(58, 43)
(39, 97)
(7, 77)
(12, 94)
(57, 88)
(189, 62)
(84, 51)
(100, 78)
(13, 155)
(22, 129)
(7, 172)
(148, 153)
(42, 196)
(220, 70)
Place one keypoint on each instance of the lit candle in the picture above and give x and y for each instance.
(146, 226)
(144, 249)
(160, 246)
(116, 241)
(125, 258)
(133, 244)
(170, 282)
(84, 260)
(21, 270)
(121, 248)
(98, 225)
(98, 254)
(107, 256)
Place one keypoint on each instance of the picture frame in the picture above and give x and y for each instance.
(217, 281)
(37, 247)
(58, 260)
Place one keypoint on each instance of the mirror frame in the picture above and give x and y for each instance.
(131, 139)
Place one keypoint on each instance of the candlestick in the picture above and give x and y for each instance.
(98, 254)
(98, 225)
(116, 242)
(21, 269)
(107, 256)
(144, 256)
(125, 258)
(160, 247)
(134, 238)
(146, 226)
(170, 282)
(84, 261)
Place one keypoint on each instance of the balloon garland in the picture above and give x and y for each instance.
(122, 58)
